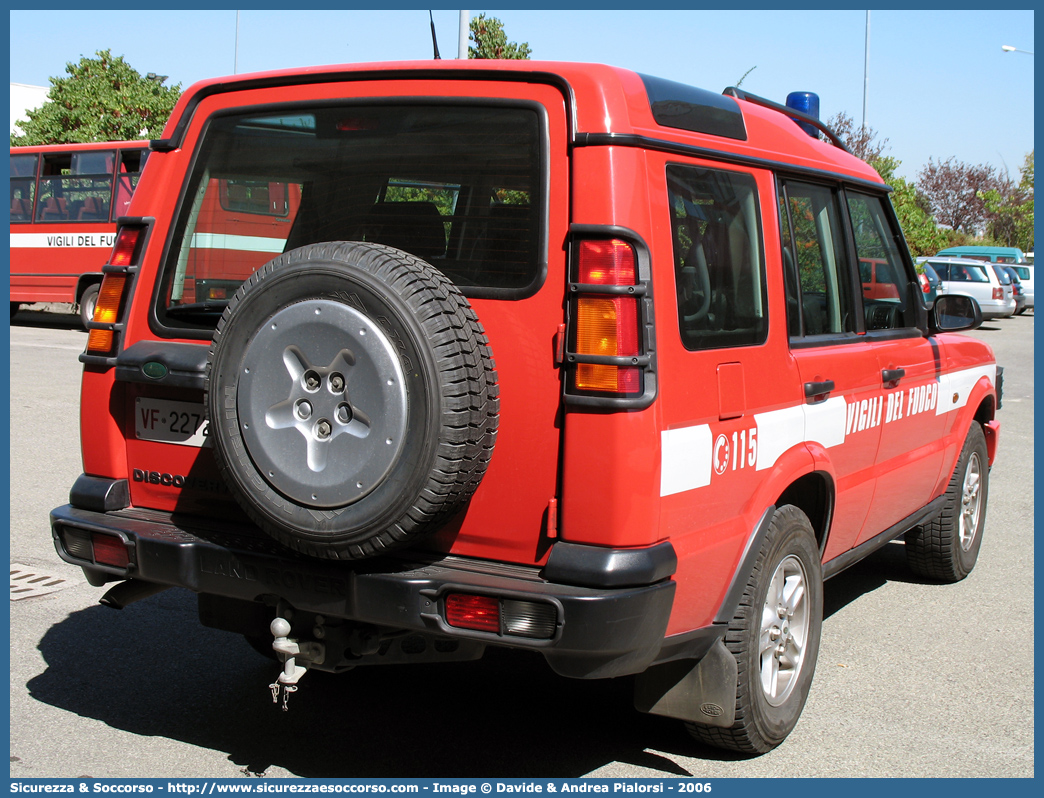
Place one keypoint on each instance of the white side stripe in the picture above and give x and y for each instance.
(687, 453)
(960, 383)
(685, 459)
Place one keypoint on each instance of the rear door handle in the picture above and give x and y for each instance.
(890, 377)
(816, 392)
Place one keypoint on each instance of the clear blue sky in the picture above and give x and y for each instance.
(939, 83)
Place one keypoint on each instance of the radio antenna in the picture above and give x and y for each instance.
(434, 41)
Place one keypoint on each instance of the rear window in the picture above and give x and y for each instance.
(459, 186)
(961, 272)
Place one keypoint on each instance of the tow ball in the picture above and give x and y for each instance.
(297, 658)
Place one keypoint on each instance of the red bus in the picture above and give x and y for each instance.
(242, 223)
(65, 199)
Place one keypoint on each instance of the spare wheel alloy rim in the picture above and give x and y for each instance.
(322, 403)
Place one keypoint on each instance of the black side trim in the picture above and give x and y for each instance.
(685, 107)
(727, 610)
(595, 566)
(99, 494)
(184, 365)
(691, 151)
(1000, 385)
(852, 556)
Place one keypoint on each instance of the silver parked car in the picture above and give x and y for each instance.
(1025, 273)
(976, 279)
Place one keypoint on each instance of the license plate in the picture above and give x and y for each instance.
(163, 420)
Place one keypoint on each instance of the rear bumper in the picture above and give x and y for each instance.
(600, 632)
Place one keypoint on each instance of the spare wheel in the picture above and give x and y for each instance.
(352, 398)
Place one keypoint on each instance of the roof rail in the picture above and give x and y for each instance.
(739, 94)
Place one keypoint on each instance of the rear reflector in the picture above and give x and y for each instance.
(109, 550)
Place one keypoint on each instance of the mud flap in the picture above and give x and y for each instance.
(701, 692)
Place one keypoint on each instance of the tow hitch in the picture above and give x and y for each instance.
(297, 657)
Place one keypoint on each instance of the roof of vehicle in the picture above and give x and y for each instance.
(89, 145)
(604, 101)
(982, 250)
(982, 264)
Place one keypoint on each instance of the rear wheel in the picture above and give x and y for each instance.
(87, 304)
(774, 638)
(353, 399)
(947, 548)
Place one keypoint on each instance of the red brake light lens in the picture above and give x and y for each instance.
(481, 613)
(125, 246)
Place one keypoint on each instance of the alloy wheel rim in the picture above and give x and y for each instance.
(971, 501)
(785, 622)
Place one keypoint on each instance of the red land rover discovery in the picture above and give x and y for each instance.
(395, 362)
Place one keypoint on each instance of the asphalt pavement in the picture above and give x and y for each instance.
(913, 680)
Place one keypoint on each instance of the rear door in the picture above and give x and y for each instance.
(838, 367)
(471, 176)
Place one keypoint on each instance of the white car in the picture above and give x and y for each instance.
(977, 279)
(1025, 273)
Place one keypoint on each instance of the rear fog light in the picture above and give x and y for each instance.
(109, 550)
(532, 619)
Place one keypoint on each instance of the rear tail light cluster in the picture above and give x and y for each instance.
(96, 547)
(112, 298)
(998, 293)
(501, 616)
(609, 354)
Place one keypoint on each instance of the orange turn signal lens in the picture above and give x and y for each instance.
(106, 312)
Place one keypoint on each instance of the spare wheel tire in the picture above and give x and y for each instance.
(352, 398)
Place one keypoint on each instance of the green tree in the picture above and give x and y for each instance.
(1009, 210)
(102, 99)
(490, 41)
(922, 234)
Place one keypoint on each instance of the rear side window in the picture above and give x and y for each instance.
(819, 292)
(718, 257)
(459, 186)
(75, 186)
(962, 273)
(23, 187)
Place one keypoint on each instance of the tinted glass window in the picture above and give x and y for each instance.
(819, 293)
(881, 271)
(457, 186)
(76, 187)
(719, 268)
(23, 187)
